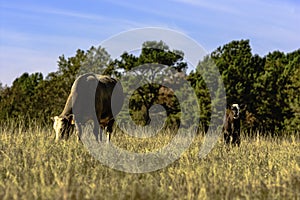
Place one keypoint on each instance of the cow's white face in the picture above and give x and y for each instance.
(62, 126)
(236, 110)
(58, 126)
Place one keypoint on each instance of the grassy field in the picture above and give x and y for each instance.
(32, 166)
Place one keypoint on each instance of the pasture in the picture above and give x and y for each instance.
(33, 166)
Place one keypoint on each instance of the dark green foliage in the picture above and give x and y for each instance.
(20, 97)
(154, 55)
(267, 88)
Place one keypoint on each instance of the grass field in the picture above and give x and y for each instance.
(32, 166)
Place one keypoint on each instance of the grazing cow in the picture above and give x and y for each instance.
(231, 128)
(90, 99)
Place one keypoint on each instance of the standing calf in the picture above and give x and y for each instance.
(231, 128)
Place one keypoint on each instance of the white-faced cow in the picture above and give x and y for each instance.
(231, 128)
(90, 99)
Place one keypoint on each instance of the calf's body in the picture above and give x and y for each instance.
(232, 125)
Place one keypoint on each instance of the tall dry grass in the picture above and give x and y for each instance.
(33, 166)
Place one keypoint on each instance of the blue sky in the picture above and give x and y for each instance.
(34, 33)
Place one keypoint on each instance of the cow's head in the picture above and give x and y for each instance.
(63, 126)
(236, 110)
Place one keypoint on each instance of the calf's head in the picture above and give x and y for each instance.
(235, 110)
(63, 126)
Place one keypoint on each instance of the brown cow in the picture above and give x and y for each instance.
(231, 128)
(90, 99)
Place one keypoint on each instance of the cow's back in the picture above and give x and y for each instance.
(91, 97)
(83, 97)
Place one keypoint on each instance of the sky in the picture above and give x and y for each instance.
(34, 33)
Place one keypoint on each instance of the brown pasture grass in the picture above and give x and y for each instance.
(33, 166)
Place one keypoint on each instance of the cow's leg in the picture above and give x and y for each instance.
(79, 129)
(109, 130)
(107, 134)
(96, 131)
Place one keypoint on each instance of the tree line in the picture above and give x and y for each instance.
(268, 87)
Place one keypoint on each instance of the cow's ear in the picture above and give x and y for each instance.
(54, 118)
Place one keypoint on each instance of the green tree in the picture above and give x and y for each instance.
(241, 72)
(292, 122)
(97, 60)
(204, 99)
(18, 100)
(234, 61)
(273, 86)
(155, 54)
